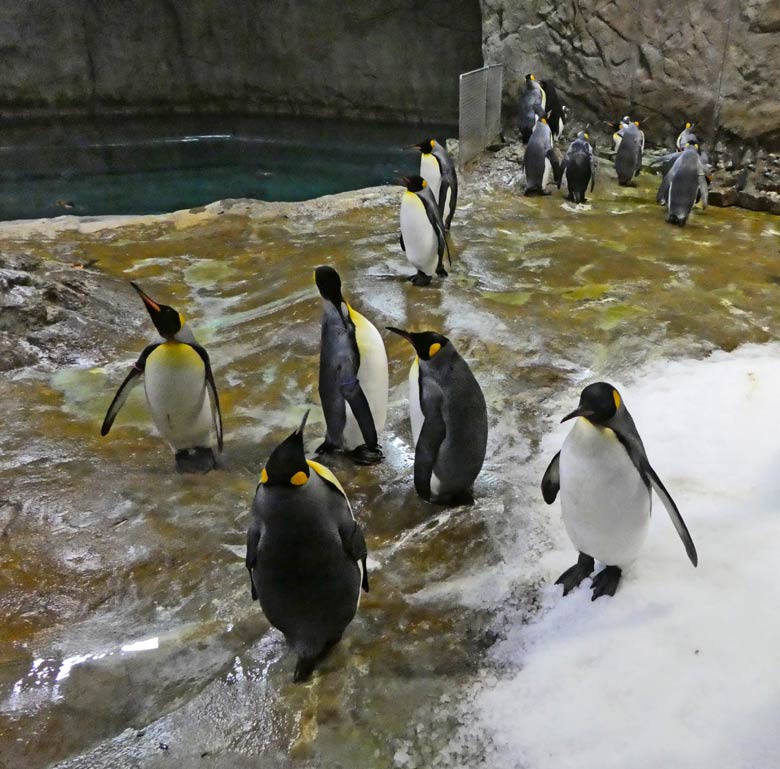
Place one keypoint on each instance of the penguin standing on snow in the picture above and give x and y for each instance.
(449, 419)
(628, 159)
(682, 186)
(180, 390)
(437, 168)
(531, 107)
(605, 480)
(305, 553)
(353, 375)
(579, 166)
(540, 161)
(422, 231)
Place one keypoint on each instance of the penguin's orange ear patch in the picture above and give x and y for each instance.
(433, 349)
(264, 476)
(299, 478)
(616, 398)
(636, 122)
(425, 184)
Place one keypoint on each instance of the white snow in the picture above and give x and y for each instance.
(682, 667)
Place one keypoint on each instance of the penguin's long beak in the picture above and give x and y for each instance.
(402, 181)
(578, 412)
(417, 147)
(151, 305)
(299, 431)
(405, 334)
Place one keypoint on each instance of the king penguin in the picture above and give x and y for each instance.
(685, 137)
(540, 161)
(180, 390)
(628, 158)
(579, 167)
(422, 231)
(532, 106)
(683, 185)
(449, 419)
(305, 553)
(353, 375)
(437, 168)
(605, 480)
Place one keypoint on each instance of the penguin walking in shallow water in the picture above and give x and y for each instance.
(532, 106)
(353, 381)
(540, 162)
(437, 168)
(422, 231)
(305, 553)
(449, 419)
(180, 390)
(579, 167)
(628, 159)
(683, 185)
(606, 481)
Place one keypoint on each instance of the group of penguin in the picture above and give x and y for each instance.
(541, 118)
(306, 554)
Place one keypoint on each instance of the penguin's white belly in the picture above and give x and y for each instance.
(429, 170)
(415, 410)
(548, 173)
(373, 377)
(419, 236)
(175, 384)
(605, 503)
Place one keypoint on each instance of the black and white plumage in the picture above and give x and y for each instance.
(305, 553)
(449, 419)
(422, 231)
(353, 381)
(180, 390)
(628, 158)
(683, 185)
(531, 106)
(605, 481)
(540, 162)
(686, 137)
(437, 168)
(579, 168)
(556, 112)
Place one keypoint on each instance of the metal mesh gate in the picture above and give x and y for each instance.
(480, 110)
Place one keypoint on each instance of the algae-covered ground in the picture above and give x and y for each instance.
(127, 633)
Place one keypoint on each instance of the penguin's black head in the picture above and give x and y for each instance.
(426, 343)
(688, 124)
(425, 147)
(599, 402)
(414, 183)
(166, 320)
(529, 78)
(287, 464)
(329, 284)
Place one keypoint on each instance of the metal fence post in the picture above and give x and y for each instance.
(479, 110)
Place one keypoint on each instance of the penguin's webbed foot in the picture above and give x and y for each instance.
(367, 455)
(606, 582)
(572, 577)
(200, 459)
(441, 272)
(420, 279)
(304, 667)
(326, 447)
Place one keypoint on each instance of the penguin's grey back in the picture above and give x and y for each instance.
(530, 107)
(536, 151)
(578, 168)
(338, 355)
(683, 185)
(629, 154)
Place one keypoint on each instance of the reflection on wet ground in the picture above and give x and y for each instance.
(128, 637)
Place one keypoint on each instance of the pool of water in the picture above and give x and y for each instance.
(153, 166)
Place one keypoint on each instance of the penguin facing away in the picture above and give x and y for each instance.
(353, 380)
(628, 159)
(305, 553)
(422, 231)
(437, 168)
(579, 167)
(532, 106)
(449, 419)
(556, 112)
(540, 161)
(683, 185)
(605, 481)
(180, 390)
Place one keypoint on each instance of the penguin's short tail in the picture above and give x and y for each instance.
(200, 459)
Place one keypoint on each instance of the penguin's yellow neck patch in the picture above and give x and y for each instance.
(433, 349)
(616, 398)
(299, 478)
(425, 184)
(325, 473)
(264, 476)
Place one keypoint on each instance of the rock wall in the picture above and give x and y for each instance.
(715, 63)
(386, 59)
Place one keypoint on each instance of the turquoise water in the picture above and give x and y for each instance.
(154, 166)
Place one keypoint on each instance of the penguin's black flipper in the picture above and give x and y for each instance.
(561, 171)
(432, 210)
(593, 165)
(252, 541)
(453, 201)
(674, 514)
(216, 412)
(551, 481)
(554, 162)
(663, 190)
(353, 394)
(427, 451)
(354, 544)
(403, 246)
(131, 380)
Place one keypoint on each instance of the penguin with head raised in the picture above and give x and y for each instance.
(437, 168)
(683, 185)
(686, 137)
(541, 164)
(556, 112)
(605, 481)
(532, 106)
(579, 167)
(180, 390)
(305, 553)
(628, 158)
(422, 231)
(449, 419)
(617, 136)
(353, 380)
